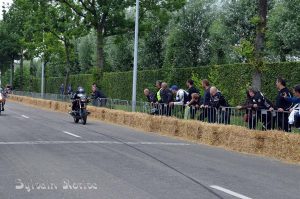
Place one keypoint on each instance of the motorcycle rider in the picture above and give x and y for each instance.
(4, 95)
(79, 93)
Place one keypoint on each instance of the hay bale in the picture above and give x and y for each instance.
(140, 120)
(190, 129)
(169, 126)
(275, 144)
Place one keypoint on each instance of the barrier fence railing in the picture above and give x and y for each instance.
(252, 119)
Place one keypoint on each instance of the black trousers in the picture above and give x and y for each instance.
(265, 118)
(282, 121)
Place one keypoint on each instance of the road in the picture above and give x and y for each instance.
(44, 154)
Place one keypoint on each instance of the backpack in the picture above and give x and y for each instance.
(185, 97)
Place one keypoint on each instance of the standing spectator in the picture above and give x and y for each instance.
(218, 102)
(259, 109)
(62, 89)
(294, 117)
(166, 97)
(150, 96)
(250, 115)
(181, 96)
(295, 99)
(205, 100)
(282, 105)
(158, 86)
(191, 89)
(70, 90)
(99, 99)
(192, 107)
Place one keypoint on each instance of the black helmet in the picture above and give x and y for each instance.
(80, 90)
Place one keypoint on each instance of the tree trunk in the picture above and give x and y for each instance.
(22, 71)
(31, 75)
(12, 73)
(256, 79)
(260, 42)
(67, 51)
(100, 47)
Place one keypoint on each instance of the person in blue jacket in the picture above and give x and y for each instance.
(296, 99)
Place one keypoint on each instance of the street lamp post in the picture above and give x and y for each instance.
(43, 71)
(135, 62)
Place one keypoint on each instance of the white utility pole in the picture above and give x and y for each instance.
(43, 72)
(136, 43)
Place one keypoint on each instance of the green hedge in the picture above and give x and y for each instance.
(232, 80)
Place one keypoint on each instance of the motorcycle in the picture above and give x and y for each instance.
(80, 112)
(2, 102)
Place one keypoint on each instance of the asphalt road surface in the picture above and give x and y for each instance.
(44, 154)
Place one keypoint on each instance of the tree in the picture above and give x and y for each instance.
(260, 42)
(187, 42)
(247, 20)
(283, 29)
(86, 49)
(9, 47)
(106, 17)
(109, 18)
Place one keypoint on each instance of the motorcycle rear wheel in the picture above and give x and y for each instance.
(76, 120)
(84, 119)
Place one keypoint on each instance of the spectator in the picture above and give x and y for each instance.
(205, 100)
(99, 99)
(191, 89)
(150, 96)
(248, 106)
(70, 90)
(259, 109)
(294, 117)
(62, 89)
(181, 96)
(158, 86)
(166, 97)
(192, 107)
(296, 99)
(218, 102)
(282, 105)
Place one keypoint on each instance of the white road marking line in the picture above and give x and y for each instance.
(230, 192)
(25, 116)
(91, 142)
(66, 132)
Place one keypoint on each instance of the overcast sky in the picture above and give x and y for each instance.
(2, 2)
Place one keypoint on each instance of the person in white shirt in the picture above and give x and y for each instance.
(181, 96)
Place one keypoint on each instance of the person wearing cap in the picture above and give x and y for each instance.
(181, 96)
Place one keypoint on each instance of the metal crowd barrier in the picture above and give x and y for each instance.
(256, 120)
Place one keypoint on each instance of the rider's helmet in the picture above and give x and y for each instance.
(80, 91)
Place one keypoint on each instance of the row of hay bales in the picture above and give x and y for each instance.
(273, 144)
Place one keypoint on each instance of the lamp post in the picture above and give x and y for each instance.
(135, 62)
(43, 71)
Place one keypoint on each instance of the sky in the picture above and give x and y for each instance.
(2, 2)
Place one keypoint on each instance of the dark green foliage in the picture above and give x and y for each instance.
(231, 80)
